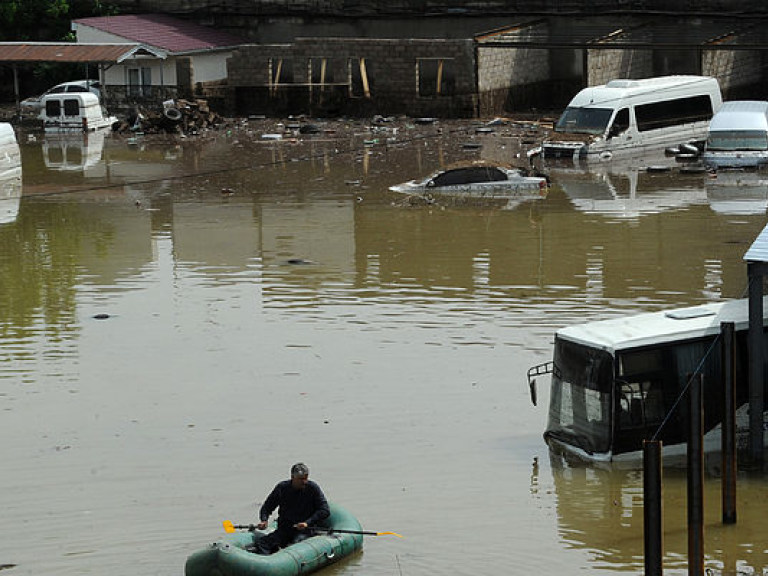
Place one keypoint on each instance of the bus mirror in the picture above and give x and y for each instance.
(532, 388)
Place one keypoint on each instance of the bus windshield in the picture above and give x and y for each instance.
(580, 401)
(732, 140)
(584, 121)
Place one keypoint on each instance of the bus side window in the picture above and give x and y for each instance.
(620, 123)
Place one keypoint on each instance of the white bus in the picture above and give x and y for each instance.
(614, 382)
(634, 115)
(738, 136)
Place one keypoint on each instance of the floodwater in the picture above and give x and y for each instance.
(183, 319)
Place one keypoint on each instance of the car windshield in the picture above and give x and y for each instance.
(469, 175)
(728, 140)
(584, 120)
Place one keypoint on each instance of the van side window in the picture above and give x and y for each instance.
(620, 122)
(673, 112)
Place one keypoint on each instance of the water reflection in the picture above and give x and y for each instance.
(79, 151)
(630, 192)
(334, 212)
(738, 192)
(600, 510)
(248, 284)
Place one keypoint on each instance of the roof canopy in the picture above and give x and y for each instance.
(70, 52)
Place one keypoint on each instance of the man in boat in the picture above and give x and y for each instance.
(301, 503)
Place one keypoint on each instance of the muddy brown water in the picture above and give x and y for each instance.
(183, 319)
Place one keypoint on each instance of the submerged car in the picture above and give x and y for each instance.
(477, 181)
(35, 103)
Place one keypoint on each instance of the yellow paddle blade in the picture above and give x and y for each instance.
(228, 527)
(393, 534)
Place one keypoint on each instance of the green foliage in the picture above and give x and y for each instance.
(46, 20)
(33, 19)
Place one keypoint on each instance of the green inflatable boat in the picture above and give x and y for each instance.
(230, 555)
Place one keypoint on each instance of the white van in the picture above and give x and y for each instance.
(74, 111)
(634, 115)
(738, 136)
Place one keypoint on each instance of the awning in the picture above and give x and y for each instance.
(29, 52)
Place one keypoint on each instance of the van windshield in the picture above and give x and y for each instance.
(727, 140)
(584, 120)
(580, 401)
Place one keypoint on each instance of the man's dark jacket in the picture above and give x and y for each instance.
(308, 505)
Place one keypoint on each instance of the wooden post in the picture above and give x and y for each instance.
(695, 479)
(652, 508)
(728, 446)
(364, 78)
(755, 355)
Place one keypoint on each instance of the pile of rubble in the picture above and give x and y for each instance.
(176, 117)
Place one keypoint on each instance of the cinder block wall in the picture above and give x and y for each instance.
(508, 78)
(391, 67)
(738, 71)
(605, 65)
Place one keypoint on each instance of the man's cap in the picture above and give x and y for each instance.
(299, 469)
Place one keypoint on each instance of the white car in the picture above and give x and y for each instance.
(477, 180)
(34, 103)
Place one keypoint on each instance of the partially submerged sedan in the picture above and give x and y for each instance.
(476, 182)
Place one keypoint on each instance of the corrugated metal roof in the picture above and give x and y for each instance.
(758, 252)
(63, 52)
(162, 31)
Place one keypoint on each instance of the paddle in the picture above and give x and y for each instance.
(229, 528)
(332, 530)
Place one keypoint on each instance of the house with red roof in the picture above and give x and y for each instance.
(180, 58)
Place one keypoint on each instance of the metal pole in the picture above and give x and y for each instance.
(652, 513)
(728, 447)
(695, 479)
(755, 340)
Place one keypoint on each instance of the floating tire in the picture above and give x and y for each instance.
(172, 114)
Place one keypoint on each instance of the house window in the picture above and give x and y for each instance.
(359, 71)
(435, 77)
(140, 81)
(320, 71)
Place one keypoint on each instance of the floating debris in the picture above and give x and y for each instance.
(299, 261)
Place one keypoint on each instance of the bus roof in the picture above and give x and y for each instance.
(616, 90)
(659, 327)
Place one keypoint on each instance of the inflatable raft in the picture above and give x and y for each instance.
(230, 556)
